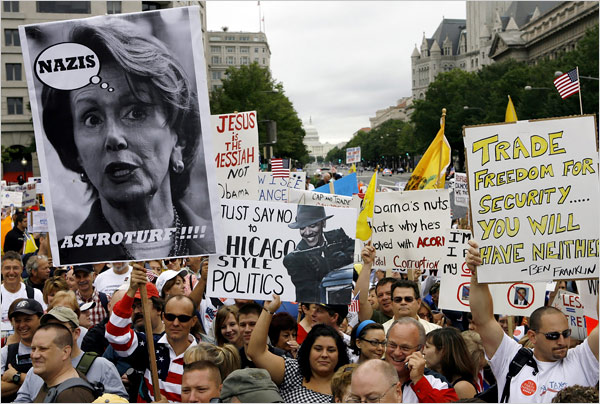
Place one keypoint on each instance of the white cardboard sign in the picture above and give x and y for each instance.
(276, 189)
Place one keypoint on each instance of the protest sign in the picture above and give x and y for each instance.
(128, 177)
(514, 299)
(408, 229)
(284, 248)
(301, 197)
(352, 155)
(275, 189)
(570, 304)
(347, 185)
(39, 188)
(461, 190)
(534, 199)
(236, 146)
(588, 294)
(37, 221)
(19, 196)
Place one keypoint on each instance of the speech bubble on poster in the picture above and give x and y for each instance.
(236, 148)
(515, 299)
(534, 197)
(408, 229)
(266, 253)
(275, 189)
(69, 66)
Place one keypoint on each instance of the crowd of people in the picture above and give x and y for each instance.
(79, 334)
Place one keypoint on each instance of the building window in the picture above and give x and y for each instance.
(10, 6)
(64, 7)
(230, 49)
(230, 60)
(113, 7)
(15, 105)
(11, 37)
(229, 38)
(215, 38)
(13, 71)
(264, 61)
(215, 60)
(264, 50)
(244, 60)
(216, 75)
(244, 49)
(150, 5)
(215, 49)
(255, 50)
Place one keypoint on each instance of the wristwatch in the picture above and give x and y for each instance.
(17, 378)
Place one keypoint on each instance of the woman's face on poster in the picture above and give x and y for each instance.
(124, 145)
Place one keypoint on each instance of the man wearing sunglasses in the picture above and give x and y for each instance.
(406, 302)
(178, 317)
(558, 366)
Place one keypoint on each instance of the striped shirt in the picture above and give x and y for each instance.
(96, 313)
(132, 345)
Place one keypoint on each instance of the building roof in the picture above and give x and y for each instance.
(450, 28)
(522, 11)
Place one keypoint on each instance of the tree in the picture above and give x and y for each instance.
(251, 87)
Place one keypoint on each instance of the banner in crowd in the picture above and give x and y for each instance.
(408, 229)
(276, 189)
(588, 293)
(123, 133)
(534, 198)
(461, 190)
(347, 185)
(514, 299)
(304, 253)
(353, 155)
(37, 221)
(39, 187)
(236, 146)
(571, 306)
(19, 196)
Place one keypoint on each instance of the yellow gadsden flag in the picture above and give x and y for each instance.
(352, 169)
(511, 114)
(363, 229)
(430, 172)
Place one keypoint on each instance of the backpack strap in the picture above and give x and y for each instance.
(86, 362)
(103, 301)
(11, 358)
(30, 292)
(55, 391)
(522, 358)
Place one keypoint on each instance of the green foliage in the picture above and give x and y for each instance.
(486, 93)
(252, 88)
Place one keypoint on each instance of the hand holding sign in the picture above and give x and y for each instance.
(273, 305)
(138, 279)
(368, 254)
(473, 258)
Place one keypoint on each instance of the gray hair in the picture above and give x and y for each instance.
(34, 262)
(409, 321)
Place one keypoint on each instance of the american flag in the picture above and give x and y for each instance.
(151, 275)
(567, 84)
(353, 306)
(280, 168)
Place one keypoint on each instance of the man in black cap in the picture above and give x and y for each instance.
(16, 360)
(318, 253)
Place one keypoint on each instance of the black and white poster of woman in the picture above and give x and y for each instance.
(122, 125)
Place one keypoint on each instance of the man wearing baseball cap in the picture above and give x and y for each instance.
(16, 360)
(250, 386)
(100, 370)
(318, 253)
(87, 293)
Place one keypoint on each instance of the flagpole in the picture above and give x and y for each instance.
(579, 79)
(437, 185)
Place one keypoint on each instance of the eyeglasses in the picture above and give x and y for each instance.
(405, 349)
(407, 299)
(183, 318)
(369, 399)
(375, 343)
(553, 336)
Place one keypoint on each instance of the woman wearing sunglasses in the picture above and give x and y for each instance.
(368, 340)
(308, 378)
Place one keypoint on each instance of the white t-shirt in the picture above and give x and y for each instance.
(108, 281)
(579, 367)
(8, 298)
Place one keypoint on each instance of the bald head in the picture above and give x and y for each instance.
(377, 367)
(375, 378)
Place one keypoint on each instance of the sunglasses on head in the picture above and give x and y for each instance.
(183, 318)
(407, 299)
(553, 336)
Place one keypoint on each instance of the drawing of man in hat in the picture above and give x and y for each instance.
(318, 253)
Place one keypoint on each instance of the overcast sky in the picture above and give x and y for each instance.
(339, 61)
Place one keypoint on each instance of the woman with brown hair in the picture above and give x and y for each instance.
(226, 328)
(226, 357)
(52, 286)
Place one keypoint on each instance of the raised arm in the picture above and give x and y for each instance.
(482, 306)
(365, 311)
(257, 346)
(198, 291)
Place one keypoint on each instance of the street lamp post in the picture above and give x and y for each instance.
(559, 73)
(466, 108)
(24, 164)
(529, 88)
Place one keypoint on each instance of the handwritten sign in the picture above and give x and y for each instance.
(275, 189)
(534, 199)
(236, 154)
(461, 190)
(37, 221)
(570, 304)
(19, 196)
(352, 155)
(515, 299)
(267, 253)
(318, 198)
(408, 229)
(39, 188)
